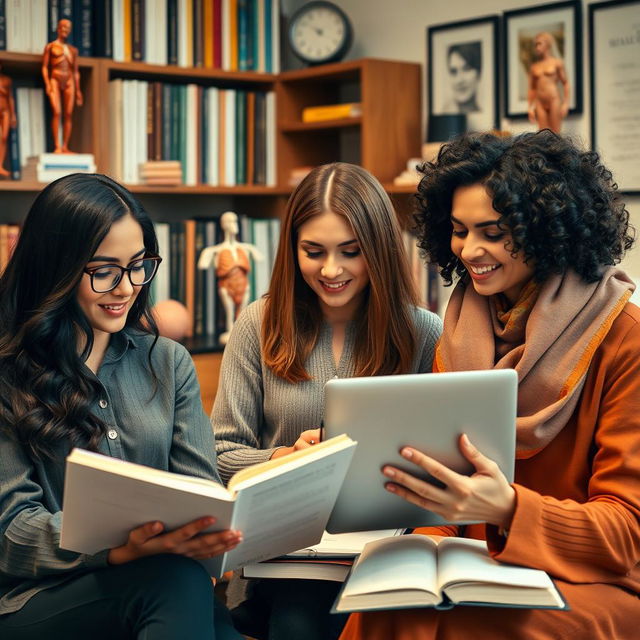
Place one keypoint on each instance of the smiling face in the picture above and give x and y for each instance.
(107, 312)
(464, 78)
(332, 264)
(480, 244)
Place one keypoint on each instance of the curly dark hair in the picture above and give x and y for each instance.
(558, 202)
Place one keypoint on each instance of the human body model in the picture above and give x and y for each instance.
(532, 227)
(81, 364)
(231, 261)
(340, 303)
(62, 84)
(547, 106)
(7, 118)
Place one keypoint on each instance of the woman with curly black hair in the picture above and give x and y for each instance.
(81, 364)
(531, 227)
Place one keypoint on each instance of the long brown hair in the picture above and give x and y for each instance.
(385, 337)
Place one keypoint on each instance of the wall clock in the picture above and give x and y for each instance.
(320, 32)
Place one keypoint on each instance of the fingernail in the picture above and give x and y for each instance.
(390, 473)
(407, 453)
(390, 487)
(208, 521)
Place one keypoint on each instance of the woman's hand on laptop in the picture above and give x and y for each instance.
(307, 439)
(485, 496)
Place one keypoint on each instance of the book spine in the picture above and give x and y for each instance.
(102, 28)
(207, 33)
(241, 137)
(85, 18)
(3, 25)
(198, 33)
(53, 15)
(14, 154)
(268, 36)
(172, 31)
(137, 30)
(330, 112)
(217, 34)
(243, 35)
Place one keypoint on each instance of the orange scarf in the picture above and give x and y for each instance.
(549, 337)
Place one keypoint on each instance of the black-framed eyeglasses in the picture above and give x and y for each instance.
(107, 277)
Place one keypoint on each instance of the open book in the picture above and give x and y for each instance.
(423, 571)
(330, 559)
(279, 505)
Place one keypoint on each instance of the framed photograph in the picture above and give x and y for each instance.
(555, 27)
(462, 71)
(614, 43)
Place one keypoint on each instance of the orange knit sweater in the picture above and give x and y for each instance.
(577, 517)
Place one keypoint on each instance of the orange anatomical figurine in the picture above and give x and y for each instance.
(231, 261)
(62, 84)
(547, 105)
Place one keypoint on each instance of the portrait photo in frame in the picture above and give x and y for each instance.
(614, 43)
(463, 72)
(561, 21)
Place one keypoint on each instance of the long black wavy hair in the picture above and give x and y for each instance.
(558, 202)
(46, 392)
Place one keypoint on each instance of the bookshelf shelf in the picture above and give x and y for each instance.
(294, 127)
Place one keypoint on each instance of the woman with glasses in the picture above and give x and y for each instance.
(81, 364)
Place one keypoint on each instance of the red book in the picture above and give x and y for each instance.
(217, 34)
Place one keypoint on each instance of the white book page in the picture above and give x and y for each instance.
(394, 564)
(465, 560)
(288, 510)
(344, 544)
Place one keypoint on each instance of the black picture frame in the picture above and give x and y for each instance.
(470, 45)
(564, 22)
(614, 72)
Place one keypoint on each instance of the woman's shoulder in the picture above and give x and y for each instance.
(164, 348)
(425, 320)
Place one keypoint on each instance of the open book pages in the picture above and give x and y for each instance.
(278, 507)
(422, 571)
(343, 545)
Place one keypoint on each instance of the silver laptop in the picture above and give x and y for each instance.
(427, 411)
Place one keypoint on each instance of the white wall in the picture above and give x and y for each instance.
(397, 29)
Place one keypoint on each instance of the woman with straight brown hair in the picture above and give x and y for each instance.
(341, 303)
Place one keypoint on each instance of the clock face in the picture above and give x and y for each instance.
(320, 32)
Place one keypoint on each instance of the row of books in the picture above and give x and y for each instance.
(8, 238)
(178, 278)
(220, 136)
(234, 35)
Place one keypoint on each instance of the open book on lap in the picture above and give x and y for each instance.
(422, 571)
(279, 505)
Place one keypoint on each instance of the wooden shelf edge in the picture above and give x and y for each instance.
(294, 127)
(240, 190)
(202, 73)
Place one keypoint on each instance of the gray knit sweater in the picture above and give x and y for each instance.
(256, 411)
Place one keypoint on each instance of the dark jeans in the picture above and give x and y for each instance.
(288, 609)
(163, 597)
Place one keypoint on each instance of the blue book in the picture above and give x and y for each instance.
(243, 35)
(268, 36)
(3, 25)
(172, 31)
(102, 27)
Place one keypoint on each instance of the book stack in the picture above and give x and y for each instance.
(162, 173)
(52, 166)
(332, 112)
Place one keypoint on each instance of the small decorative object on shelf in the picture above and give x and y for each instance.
(7, 118)
(161, 173)
(320, 32)
(410, 176)
(331, 112)
(62, 84)
(172, 318)
(52, 166)
(231, 261)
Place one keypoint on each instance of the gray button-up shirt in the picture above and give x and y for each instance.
(167, 430)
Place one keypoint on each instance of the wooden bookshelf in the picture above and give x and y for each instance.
(382, 139)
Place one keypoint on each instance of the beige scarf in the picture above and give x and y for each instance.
(549, 337)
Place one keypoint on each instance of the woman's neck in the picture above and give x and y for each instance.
(99, 348)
